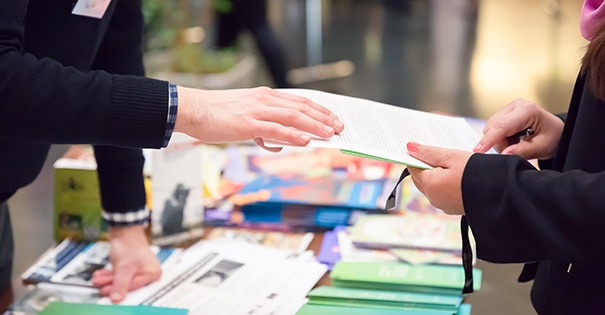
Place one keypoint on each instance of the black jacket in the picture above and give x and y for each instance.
(49, 95)
(548, 218)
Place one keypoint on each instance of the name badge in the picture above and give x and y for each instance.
(91, 8)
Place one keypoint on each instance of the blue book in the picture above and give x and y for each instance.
(324, 201)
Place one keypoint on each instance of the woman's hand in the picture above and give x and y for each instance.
(441, 185)
(517, 116)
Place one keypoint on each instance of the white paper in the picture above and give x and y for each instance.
(212, 275)
(382, 130)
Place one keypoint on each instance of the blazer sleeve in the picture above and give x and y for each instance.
(43, 101)
(520, 214)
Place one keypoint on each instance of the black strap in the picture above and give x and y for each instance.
(467, 257)
(467, 251)
(392, 199)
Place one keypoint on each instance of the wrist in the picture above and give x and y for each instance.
(131, 232)
(183, 115)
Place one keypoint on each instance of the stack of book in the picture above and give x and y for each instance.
(391, 288)
(300, 188)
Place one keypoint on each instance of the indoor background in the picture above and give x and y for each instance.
(463, 57)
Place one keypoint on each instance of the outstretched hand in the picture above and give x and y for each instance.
(215, 116)
(442, 185)
(514, 117)
(134, 265)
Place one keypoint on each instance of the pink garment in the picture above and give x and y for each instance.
(593, 11)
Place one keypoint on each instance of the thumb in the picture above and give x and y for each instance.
(121, 282)
(433, 156)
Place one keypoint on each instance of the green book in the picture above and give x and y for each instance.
(393, 276)
(62, 308)
(337, 296)
(310, 309)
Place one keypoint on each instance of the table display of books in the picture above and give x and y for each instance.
(204, 279)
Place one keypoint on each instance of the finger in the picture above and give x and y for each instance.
(310, 108)
(416, 175)
(293, 118)
(433, 156)
(121, 282)
(300, 99)
(278, 132)
(101, 280)
(105, 290)
(525, 149)
(143, 279)
(102, 272)
(261, 143)
(501, 127)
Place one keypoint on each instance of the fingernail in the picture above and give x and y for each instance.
(338, 124)
(478, 148)
(115, 296)
(328, 130)
(305, 139)
(413, 146)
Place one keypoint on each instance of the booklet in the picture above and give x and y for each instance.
(74, 262)
(381, 131)
(61, 308)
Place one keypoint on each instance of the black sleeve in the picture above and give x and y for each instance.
(43, 101)
(120, 170)
(520, 214)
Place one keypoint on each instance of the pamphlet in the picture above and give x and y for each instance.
(381, 131)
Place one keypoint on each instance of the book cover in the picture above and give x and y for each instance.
(62, 308)
(177, 191)
(77, 199)
(73, 262)
(329, 252)
(412, 231)
(438, 279)
(320, 191)
(324, 201)
(327, 295)
(312, 309)
(297, 242)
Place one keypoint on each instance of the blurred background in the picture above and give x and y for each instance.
(463, 57)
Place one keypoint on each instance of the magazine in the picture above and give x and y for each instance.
(74, 262)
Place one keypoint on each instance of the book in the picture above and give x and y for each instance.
(381, 131)
(77, 200)
(313, 309)
(62, 308)
(297, 242)
(329, 252)
(177, 191)
(393, 276)
(73, 262)
(337, 296)
(324, 201)
(409, 231)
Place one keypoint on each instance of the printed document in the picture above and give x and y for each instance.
(381, 131)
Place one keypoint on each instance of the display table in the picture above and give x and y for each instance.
(17, 289)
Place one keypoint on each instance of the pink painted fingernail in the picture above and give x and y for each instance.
(413, 146)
